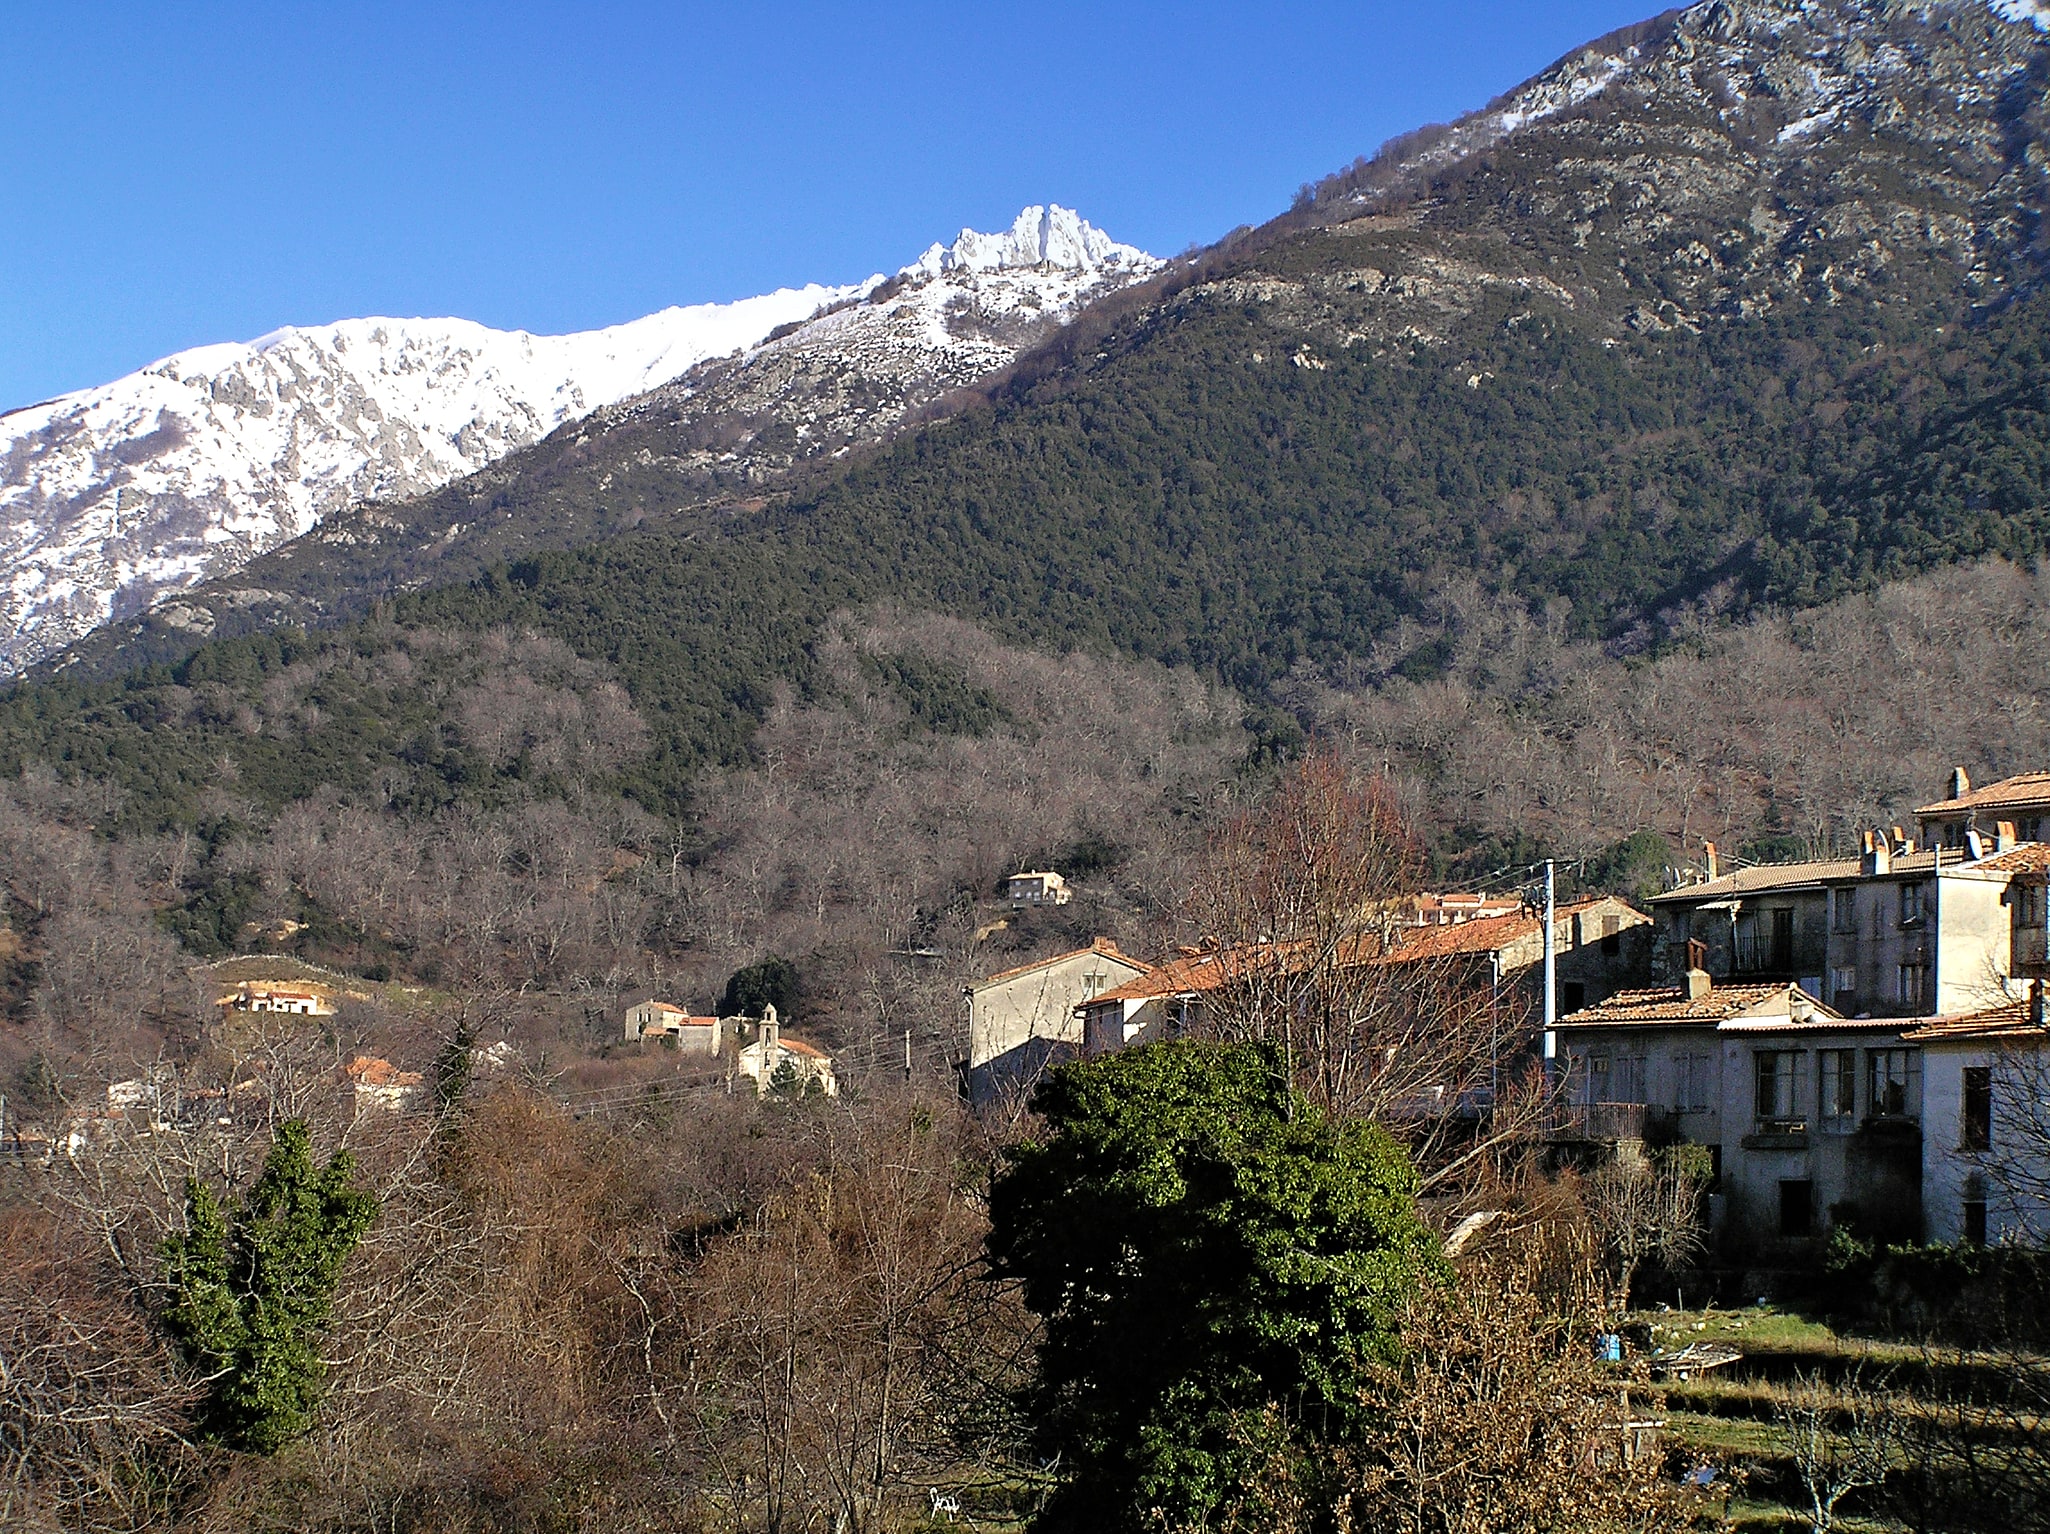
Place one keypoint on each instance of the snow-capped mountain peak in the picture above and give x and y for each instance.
(1049, 236)
(115, 497)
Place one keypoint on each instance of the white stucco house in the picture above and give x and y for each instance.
(1986, 1125)
(1024, 1019)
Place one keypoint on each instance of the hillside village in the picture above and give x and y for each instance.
(1846, 1038)
(1859, 1044)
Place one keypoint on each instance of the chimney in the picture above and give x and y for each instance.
(1899, 842)
(1960, 783)
(1695, 982)
(2003, 836)
(1709, 857)
(1878, 855)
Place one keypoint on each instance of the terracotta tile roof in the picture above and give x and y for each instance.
(2027, 858)
(1192, 972)
(2009, 1021)
(1767, 877)
(1772, 876)
(1102, 945)
(1666, 1005)
(1486, 934)
(799, 1047)
(2024, 788)
(372, 1071)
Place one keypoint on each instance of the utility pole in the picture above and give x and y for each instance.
(1551, 974)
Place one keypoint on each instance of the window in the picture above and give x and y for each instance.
(1627, 1079)
(1572, 995)
(1911, 985)
(1780, 1084)
(1797, 1207)
(2028, 906)
(1843, 910)
(1843, 989)
(1974, 1211)
(1598, 1079)
(1911, 904)
(1837, 1089)
(1783, 939)
(1975, 1132)
(1694, 1085)
(1893, 1083)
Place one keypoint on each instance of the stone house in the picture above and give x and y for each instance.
(375, 1083)
(1024, 1019)
(1160, 1003)
(660, 1020)
(2020, 805)
(1810, 1118)
(1599, 945)
(1900, 931)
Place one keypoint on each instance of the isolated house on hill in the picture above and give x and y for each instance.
(1042, 887)
(659, 1020)
(1021, 1020)
(1449, 910)
(299, 1000)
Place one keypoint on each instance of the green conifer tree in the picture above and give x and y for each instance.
(253, 1289)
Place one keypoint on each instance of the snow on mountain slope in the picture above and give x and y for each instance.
(114, 498)
(715, 438)
(952, 318)
(111, 496)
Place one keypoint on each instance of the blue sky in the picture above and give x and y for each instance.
(199, 172)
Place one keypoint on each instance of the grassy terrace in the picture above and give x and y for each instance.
(1945, 1415)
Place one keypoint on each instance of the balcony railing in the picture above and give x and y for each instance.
(1756, 955)
(1600, 1121)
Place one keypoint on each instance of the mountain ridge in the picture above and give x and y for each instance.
(111, 498)
(1642, 367)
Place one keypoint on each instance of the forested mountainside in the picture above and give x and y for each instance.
(1736, 310)
(1737, 306)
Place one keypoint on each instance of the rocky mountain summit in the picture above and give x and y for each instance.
(116, 500)
(1707, 164)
